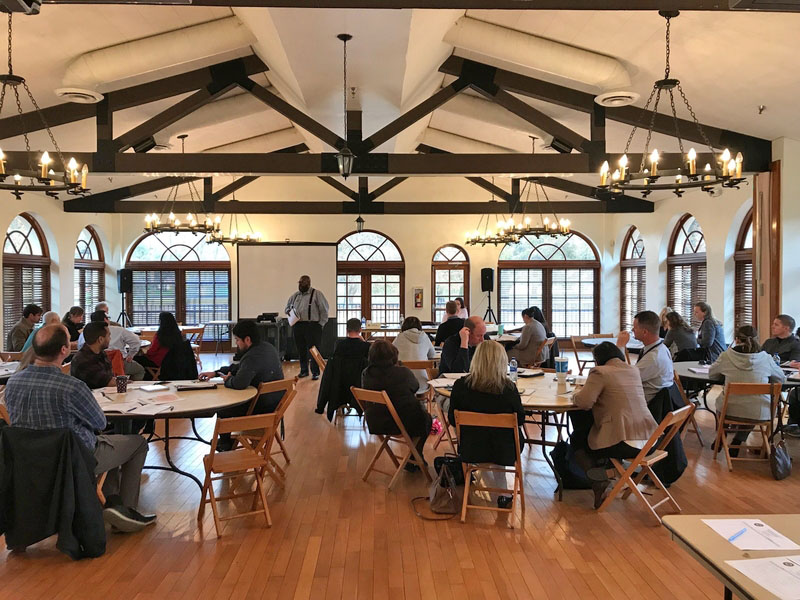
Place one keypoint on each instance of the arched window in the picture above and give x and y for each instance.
(183, 274)
(744, 297)
(559, 274)
(633, 275)
(686, 267)
(449, 278)
(90, 268)
(26, 270)
(370, 279)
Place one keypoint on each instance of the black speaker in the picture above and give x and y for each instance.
(487, 279)
(124, 281)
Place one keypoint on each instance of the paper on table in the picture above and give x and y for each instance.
(163, 399)
(150, 409)
(454, 375)
(154, 388)
(120, 407)
(702, 370)
(440, 383)
(779, 575)
(506, 337)
(527, 391)
(757, 534)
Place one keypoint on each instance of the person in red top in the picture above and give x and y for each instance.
(167, 337)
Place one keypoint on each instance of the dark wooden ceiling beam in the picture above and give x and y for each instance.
(588, 191)
(385, 187)
(232, 187)
(410, 117)
(295, 115)
(757, 151)
(351, 208)
(69, 112)
(649, 5)
(106, 201)
(339, 187)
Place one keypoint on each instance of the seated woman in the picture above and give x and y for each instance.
(680, 336)
(73, 321)
(384, 374)
(414, 344)
(710, 336)
(462, 313)
(746, 363)
(532, 335)
(619, 414)
(167, 337)
(487, 389)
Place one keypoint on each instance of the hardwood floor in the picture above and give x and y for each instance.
(334, 536)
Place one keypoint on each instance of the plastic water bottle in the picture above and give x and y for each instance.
(512, 370)
(363, 322)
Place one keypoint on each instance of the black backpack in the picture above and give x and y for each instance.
(572, 476)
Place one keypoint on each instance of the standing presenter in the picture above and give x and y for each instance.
(308, 312)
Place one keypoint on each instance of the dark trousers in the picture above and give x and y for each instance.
(586, 457)
(794, 407)
(146, 363)
(307, 334)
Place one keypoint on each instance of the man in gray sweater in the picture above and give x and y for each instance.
(259, 363)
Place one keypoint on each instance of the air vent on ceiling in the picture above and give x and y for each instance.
(620, 98)
(79, 96)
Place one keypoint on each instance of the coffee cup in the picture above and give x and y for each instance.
(122, 384)
(562, 366)
(500, 329)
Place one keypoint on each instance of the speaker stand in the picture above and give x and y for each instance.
(123, 318)
(489, 316)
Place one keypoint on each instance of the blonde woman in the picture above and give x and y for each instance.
(487, 389)
(664, 325)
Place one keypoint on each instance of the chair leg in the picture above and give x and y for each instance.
(202, 509)
(464, 502)
(283, 449)
(213, 500)
(260, 486)
(726, 449)
(384, 442)
(402, 464)
(657, 482)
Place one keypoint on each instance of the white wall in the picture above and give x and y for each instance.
(418, 237)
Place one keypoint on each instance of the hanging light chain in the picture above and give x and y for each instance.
(344, 89)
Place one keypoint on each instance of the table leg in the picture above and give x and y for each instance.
(560, 487)
(728, 594)
(172, 467)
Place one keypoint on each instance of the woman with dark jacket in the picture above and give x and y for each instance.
(384, 374)
(167, 338)
(679, 334)
(73, 321)
(710, 336)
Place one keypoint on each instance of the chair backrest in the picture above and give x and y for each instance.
(148, 336)
(494, 421)
(321, 362)
(679, 385)
(194, 334)
(266, 422)
(418, 364)
(550, 341)
(432, 372)
(11, 356)
(287, 386)
(365, 397)
(669, 427)
(66, 368)
(773, 390)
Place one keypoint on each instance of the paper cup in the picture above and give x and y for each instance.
(562, 365)
(122, 384)
(500, 329)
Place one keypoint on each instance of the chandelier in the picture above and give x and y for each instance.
(36, 175)
(195, 221)
(345, 156)
(726, 170)
(236, 234)
(503, 231)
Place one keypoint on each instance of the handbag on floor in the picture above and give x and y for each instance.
(780, 463)
(444, 497)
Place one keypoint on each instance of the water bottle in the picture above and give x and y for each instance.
(512, 370)
(777, 359)
(363, 322)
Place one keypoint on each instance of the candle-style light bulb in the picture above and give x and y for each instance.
(731, 167)
(707, 176)
(84, 175)
(654, 162)
(171, 217)
(725, 158)
(546, 221)
(615, 176)
(2, 163)
(739, 161)
(623, 166)
(45, 161)
(17, 178)
(692, 161)
(604, 173)
(72, 166)
(527, 221)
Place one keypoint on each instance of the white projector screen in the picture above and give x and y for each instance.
(268, 273)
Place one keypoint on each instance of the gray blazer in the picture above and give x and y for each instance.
(531, 336)
(681, 339)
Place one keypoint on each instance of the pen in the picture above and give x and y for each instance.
(737, 534)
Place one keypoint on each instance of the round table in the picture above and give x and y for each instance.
(545, 401)
(190, 404)
(682, 369)
(633, 345)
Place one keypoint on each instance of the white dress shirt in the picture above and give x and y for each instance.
(123, 340)
(655, 367)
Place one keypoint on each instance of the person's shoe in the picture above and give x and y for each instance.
(600, 489)
(315, 376)
(225, 444)
(504, 501)
(319, 411)
(411, 468)
(144, 518)
(124, 519)
(597, 474)
(302, 374)
(792, 430)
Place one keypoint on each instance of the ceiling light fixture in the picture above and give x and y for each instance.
(195, 222)
(726, 172)
(345, 156)
(39, 172)
(236, 234)
(504, 231)
(558, 226)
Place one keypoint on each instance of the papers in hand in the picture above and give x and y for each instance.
(293, 318)
(779, 575)
(751, 534)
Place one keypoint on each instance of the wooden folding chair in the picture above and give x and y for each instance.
(148, 336)
(409, 456)
(195, 337)
(65, 368)
(445, 433)
(11, 356)
(645, 459)
(693, 417)
(728, 424)
(252, 460)
(321, 362)
(499, 421)
(578, 345)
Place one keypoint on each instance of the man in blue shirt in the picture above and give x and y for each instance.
(42, 397)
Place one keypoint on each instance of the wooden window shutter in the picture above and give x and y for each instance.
(743, 297)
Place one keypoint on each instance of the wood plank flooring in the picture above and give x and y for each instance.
(334, 536)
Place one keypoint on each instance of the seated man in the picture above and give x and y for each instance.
(344, 370)
(655, 361)
(31, 315)
(459, 348)
(259, 363)
(450, 326)
(49, 318)
(91, 364)
(783, 342)
(42, 397)
(104, 307)
(127, 342)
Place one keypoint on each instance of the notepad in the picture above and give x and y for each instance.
(454, 375)
(530, 372)
(154, 388)
(440, 383)
(751, 534)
